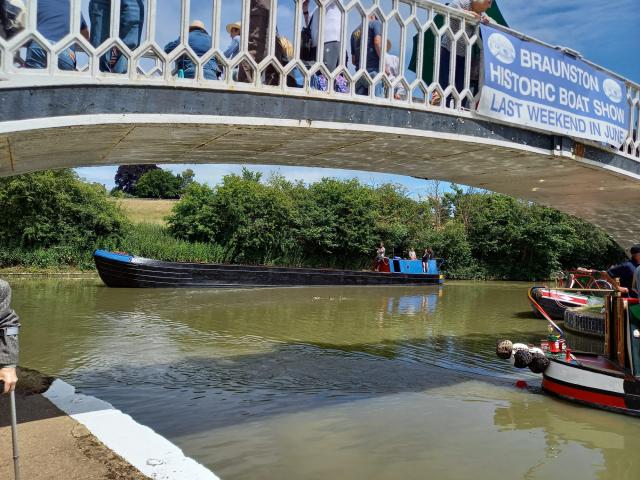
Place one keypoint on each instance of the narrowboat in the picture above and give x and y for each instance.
(578, 289)
(129, 271)
(555, 302)
(610, 381)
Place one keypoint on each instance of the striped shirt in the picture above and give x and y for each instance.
(461, 47)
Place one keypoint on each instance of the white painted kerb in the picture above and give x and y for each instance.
(152, 454)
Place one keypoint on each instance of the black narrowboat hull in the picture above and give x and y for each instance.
(125, 271)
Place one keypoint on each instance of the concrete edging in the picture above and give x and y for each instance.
(150, 453)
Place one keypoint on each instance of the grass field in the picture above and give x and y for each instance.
(140, 210)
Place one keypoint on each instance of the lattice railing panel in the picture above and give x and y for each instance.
(130, 42)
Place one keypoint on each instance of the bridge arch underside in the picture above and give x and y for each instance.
(58, 127)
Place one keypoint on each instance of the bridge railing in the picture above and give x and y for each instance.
(429, 54)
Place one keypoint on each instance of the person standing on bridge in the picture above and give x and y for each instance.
(9, 328)
(332, 37)
(478, 9)
(373, 54)
(233, 29)
(258, 43)
(53, 24)
(200, 43)
(131, 24)
(12, 18)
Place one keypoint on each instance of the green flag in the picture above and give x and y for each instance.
(430, 43)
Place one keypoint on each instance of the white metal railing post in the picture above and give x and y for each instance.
(151, 21)
(32, 16)
(216, 28)
(244, 37)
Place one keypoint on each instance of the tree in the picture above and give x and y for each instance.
(158, 183)
(128, 175)
(56, 208)
(186, 178)
(337, 223)
(254, 222)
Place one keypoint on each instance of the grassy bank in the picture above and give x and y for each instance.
(141, 210)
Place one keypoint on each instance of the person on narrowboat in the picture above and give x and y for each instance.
(379, 256)
(625, 272)
(412, 254)
(428, 255)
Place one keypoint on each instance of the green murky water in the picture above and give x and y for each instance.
(316, 383)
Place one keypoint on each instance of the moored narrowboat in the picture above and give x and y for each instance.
(129, 271)
(610, 381)
(555, 302)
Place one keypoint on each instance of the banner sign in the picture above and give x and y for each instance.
(529, 84)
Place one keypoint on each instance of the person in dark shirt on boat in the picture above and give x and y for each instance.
(428, 255)
(624, 272)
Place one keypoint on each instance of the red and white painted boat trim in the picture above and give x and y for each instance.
(607, 388)
(560, 296)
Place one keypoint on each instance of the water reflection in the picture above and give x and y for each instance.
(563, 424)
(414, 304)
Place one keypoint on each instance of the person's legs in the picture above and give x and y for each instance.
(66, 60)
(379, 88)
(331, 55)
(258, 34)
(362, 88)
(36, 56)
(445, 68)
(211, 70)
(131, 23)
(99, 17)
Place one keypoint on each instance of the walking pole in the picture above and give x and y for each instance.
(14, 431)
(14, 434)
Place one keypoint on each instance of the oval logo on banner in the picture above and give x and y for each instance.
(502, 48)
(612, 90)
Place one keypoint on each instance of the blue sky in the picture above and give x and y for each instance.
(605, 32)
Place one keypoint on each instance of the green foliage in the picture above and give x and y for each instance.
(56, 221)
(186, 178)
(154, 241)
(158, 184)
(127, 176)
(162, 184)
(55, 208)
(117, 193)
(338, 223)
(255, 222)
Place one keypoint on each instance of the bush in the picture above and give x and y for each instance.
(154, 241)
(56, 209)
(256, 223)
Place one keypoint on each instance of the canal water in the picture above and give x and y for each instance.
(316, 383)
